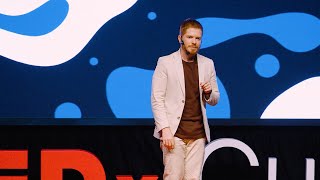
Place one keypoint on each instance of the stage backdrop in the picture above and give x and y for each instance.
(95, 59)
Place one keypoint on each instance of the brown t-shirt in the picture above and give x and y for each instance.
(191, 123)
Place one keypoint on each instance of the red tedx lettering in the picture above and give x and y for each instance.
(54, 161)
(13, 177)
(149, 177)
(14, 159)
(124, 177)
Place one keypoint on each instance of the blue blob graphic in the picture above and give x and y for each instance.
(298, 32)
(41, 21)
(222, 109)
(94, 61)
(267, 65)
(152, 15)
(128, 92)
(67, 110)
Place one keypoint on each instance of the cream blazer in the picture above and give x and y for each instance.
(168, 91)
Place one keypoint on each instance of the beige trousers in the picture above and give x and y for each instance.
(184, 162)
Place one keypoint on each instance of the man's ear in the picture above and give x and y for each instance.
(180, 39)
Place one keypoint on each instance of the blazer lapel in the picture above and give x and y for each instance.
(179, 70)
(200, 71)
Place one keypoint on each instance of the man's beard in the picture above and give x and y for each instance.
(192, 51)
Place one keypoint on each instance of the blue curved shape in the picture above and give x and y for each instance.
(152, 15)
(67, 110)
(222, 109)
(267, 65)
(94, 61)
(298, 32)
(41, 21)
(128, 92)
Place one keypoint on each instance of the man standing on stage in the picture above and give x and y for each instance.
(183, 82)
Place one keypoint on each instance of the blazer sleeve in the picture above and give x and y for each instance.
(158, 92)
(215, 95)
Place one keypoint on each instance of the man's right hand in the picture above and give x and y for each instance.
(167, 138)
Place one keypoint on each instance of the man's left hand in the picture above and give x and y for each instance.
(206, 87)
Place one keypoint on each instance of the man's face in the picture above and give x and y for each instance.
(192, 40)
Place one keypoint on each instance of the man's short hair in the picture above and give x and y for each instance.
(189, 23)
